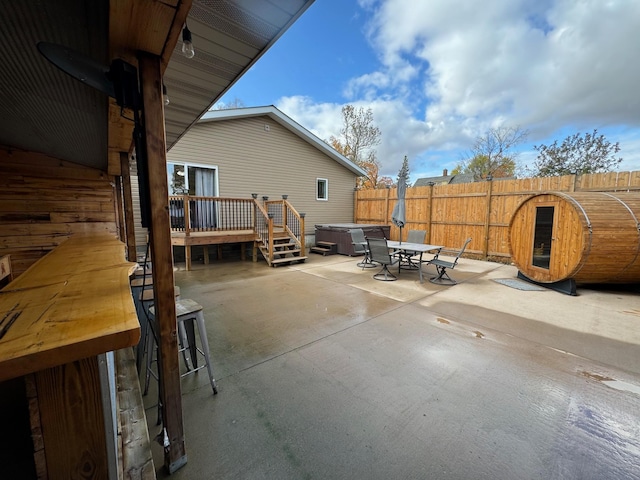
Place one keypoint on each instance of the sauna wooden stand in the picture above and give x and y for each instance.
(567, 286)
(75, 308)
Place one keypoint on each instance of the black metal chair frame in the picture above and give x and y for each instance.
(360, 245)
(443, 277)
(380, 253)
(406, 256)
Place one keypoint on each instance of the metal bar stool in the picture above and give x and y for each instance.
(187, 311)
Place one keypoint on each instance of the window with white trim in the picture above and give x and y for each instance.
(322, 189)
(192, 179)
(197, 181)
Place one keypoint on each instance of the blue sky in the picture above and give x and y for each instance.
(439, 73)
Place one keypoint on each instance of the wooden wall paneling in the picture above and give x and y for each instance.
(44, 200)
(70, 406)
(120, 208)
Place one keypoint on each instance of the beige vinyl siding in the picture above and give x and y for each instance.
(271, 162)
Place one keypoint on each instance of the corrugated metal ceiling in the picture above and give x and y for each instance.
(228, 36)
(44, 110)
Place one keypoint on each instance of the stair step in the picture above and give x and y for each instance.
(277, 261)
(282, 245)
(326, 244)
(322, 251)
(325, 248)
(284, 252)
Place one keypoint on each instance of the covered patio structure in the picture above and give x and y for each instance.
(66, 150)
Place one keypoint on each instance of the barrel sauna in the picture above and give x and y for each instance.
(585, 237)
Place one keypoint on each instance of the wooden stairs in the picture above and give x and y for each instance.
(286, 251)
(325, 248)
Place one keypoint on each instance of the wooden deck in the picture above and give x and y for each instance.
(274, 227)
(205, 239)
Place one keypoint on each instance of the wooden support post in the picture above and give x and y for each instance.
(130, 230)
(187, 231)
(270, 227)
(187, 257)
(160, 243)
(303, 247)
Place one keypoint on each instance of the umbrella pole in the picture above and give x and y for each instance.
(400, 234)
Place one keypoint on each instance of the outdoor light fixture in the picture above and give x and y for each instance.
(165, 97)
(187, 44)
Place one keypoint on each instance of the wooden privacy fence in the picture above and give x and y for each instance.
(481, 210)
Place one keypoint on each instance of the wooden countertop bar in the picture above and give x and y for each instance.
(74, 303)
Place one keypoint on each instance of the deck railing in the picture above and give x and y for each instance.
(191, 214)
(210, 214)
(286, 217)
(280, 215)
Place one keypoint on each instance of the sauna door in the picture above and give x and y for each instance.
(542, 236)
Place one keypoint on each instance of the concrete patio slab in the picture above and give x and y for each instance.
(324, 372)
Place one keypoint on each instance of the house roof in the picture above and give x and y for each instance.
(48, 111)
(445, 180)
(288, 123)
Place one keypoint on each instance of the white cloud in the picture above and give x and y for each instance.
(449, 71)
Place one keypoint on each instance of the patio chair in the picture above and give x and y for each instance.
(360, 246)
(379, 252)
(406, 256)
(443, 277)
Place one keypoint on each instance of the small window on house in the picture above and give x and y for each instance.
(322, 189)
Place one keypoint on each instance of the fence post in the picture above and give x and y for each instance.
(386, 206)
(487, 221)
(431, 184)
(356, 201)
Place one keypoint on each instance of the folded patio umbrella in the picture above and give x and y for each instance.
(398, 214)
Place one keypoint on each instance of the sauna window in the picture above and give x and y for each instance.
(542, 237)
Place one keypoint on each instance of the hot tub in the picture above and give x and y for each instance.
(339, 233)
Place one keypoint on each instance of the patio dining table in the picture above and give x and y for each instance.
(415, 247)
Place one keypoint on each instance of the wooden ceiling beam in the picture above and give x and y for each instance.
(151, 26)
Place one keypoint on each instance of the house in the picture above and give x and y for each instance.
(66, 221)
(238, 152)
(444, 179)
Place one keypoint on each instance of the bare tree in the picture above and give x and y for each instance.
(358, 137)
(235, 103)
(492, 153)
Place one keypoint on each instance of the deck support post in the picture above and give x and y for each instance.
(160, 243)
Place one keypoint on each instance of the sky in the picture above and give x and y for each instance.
(437, 74)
